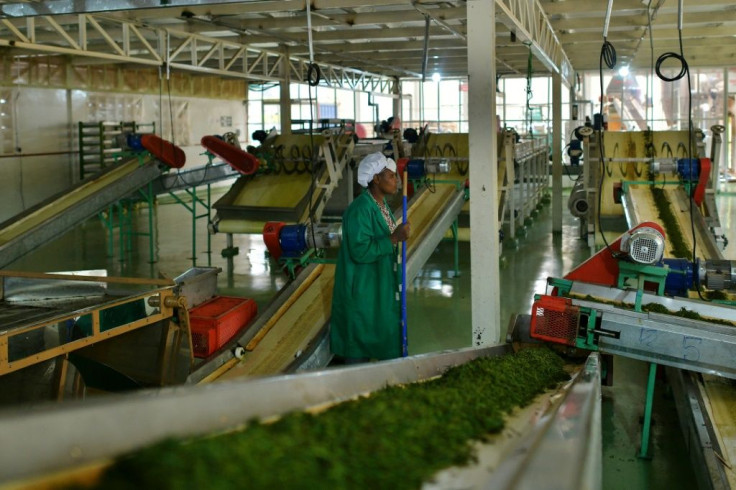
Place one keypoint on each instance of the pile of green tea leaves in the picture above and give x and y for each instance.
(396, 438)
(680, 249)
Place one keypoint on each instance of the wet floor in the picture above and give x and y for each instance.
(438, 308)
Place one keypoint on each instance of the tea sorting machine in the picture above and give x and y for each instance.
(295, 176)
(523, 172)
(634, 299)
(521, 453)
(616, 160)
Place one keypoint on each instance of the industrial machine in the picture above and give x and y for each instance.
(617, 161)
(295, 177)
(120, 333)
(629, 300)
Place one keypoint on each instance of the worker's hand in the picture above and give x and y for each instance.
(401, 233)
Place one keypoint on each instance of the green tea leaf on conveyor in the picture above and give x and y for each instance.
(395, 438)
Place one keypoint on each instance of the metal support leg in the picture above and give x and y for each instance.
(645, 430)
(193, 194)
(209, 220)
(456, 244)
(230, 255)
(121, 233)
(150, 200)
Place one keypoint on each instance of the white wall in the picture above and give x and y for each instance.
(41, 120)
(37, 122)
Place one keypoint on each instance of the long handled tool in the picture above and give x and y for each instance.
(404, 343)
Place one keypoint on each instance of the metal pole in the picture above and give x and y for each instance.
(209, 220)
(404, 341)
(556, 153)
(193, 193)
(644, 449)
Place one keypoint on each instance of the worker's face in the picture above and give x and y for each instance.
(387, 181)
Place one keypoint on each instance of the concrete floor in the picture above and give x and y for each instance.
(438, 313)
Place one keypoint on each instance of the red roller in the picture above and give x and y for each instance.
(240, 160)
(167, 152)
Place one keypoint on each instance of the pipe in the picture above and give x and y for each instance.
(425, 54)
(608, 18)
(404, 341)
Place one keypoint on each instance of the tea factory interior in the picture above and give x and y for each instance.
(174, 176)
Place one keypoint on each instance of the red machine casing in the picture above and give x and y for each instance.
(400, 168)
(699, 193)
(167, 152)
(240, 160)
(555, 319)
(216, 321)
(271, 234)
(602, 268)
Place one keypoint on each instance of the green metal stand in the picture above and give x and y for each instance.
(120, 215)
(644, 451)
(192, 193)
(641, 275)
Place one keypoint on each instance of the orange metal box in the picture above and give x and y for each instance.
(217, 320)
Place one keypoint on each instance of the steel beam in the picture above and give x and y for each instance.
(124, 41)
(528, 21)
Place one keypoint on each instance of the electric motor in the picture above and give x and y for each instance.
(719, 274)
(577, 203)
(644, 245)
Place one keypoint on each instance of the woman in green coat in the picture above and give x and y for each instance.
(365, 321)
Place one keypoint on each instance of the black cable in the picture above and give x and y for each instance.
(161, 120)
(608, 55)
(650, 84)
(684, 72)
(314, 75)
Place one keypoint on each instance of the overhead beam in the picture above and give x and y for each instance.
(530, 24)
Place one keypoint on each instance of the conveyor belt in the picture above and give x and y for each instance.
(718, 397)
(58, 214)
(194, 177)
(558, 427)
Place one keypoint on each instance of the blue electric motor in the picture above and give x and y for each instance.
(688, 168)
(681, 277)
(134, 141)
(292, 240)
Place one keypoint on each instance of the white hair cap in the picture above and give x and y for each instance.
(373, 164)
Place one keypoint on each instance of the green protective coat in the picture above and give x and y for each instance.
(365, 308)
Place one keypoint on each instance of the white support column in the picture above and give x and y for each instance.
(727, 162)
(556, 153)
(484, 247)
(285, 93)
(397, 100)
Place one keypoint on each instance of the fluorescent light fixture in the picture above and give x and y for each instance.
(624, 71)
(436, 77)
